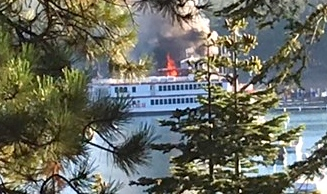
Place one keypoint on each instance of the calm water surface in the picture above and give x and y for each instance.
(315, 122)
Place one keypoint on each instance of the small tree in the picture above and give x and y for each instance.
(222, 141)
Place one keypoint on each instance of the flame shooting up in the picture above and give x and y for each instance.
(171, 67)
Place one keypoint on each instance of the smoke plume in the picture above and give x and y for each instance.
(159, 37)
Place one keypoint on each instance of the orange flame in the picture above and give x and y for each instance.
(171, 67)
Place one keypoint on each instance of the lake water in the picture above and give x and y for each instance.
(315, 122)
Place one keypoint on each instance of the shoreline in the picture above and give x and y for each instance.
(296, 108)
(301, 106)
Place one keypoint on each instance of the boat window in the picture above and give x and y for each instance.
(152, 102)
(164, 88)
(191, 100)
(199, 86)
(165, 101)
(174, 101)
(182, 87)
(161, 101)
(191, 86)
(173, 87)
(186, 100)
(177, 87)
(182, 100)
(194, 86)
(157, 101)
(133, 89)
(116, 89)
(186, 87)
(160, 88)
(122, 89)
(169, 101)
(168, 87)
(178, 100)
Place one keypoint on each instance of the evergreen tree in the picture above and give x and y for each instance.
(221, 140)
(48, 122)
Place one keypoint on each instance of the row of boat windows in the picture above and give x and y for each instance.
(184, 87)
(173, 101)
(168, 87)
(124, 89)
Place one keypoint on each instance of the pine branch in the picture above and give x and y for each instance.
(44, 188)
(135, 150)
(112, 151)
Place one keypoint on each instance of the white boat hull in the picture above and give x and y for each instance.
(151, 97)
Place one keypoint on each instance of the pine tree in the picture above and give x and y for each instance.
(222, 141)
(47, 120)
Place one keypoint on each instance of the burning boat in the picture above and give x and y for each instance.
(173, 88)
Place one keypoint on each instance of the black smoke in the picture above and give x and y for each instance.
(158, 36)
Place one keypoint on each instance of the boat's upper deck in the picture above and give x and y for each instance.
(149, 80)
